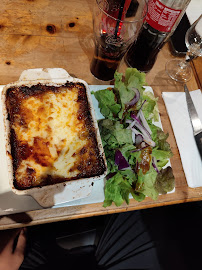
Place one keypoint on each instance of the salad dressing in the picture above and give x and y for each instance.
(146, 159)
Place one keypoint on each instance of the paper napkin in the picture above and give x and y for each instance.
(194, 10)
(178, 113)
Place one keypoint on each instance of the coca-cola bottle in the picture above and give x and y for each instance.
(162, 18)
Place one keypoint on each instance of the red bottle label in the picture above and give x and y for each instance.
(161, 17)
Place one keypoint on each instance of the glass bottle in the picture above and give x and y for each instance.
(161, 21)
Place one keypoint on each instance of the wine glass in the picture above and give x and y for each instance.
(180, 70)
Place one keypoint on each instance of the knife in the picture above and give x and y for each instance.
(195, 120)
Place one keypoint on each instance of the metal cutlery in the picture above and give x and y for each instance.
(195, 120)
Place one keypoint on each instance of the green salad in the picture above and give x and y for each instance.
(135, 148)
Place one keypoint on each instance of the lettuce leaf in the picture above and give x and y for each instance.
(150, 108)
(125, 93)
(165, 181)
(134, 78)
(146, 183)
(117, 190)
(114, 134)
(109, 108)
(160, 138)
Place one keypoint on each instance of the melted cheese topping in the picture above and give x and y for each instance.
(52, 131)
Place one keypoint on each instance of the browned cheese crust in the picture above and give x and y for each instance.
(43, 154)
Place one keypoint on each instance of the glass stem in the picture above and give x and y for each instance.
(189, 57)
(183, 65)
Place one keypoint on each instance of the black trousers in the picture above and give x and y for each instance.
(124, 244)
(165, 238)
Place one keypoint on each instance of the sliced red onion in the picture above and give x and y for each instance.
(144, 132)
(131, 124)
(142, 129)
(154, 164)
(110, 175)
(139, 125)
(128, 121)
(146, 138)
(143, 144)
(133, 137)
(139, 149)
(120, 160)
(135, 131)
(144, 122)
(136, 97)
(149, 141)
(137, 134)
(136, 166)
(141, 107)
(133, 116)
(138, 139)
(142, 118)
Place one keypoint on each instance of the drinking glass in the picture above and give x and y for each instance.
(116, 25)
(181, 70)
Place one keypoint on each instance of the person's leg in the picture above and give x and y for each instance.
(41, 248)
(127, 244)
(43, 253)
(176, 230)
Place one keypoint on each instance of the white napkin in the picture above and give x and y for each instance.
(194, 10)
(178, 113)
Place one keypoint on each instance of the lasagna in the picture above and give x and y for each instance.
(52, 135)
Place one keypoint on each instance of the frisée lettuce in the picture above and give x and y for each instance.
(135, 148)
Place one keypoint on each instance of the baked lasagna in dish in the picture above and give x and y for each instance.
(52, 135)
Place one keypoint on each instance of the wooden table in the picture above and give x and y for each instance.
(57, 33)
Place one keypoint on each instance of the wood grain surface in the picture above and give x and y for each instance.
(197, 70)
(58, 33)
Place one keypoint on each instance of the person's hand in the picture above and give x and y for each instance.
(12, 249)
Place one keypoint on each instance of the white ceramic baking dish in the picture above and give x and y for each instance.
(50, 195)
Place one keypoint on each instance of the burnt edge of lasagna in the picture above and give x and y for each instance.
(20, 151)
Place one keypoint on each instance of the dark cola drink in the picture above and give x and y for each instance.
(142, 54)
(107, 57)
(161, 20)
